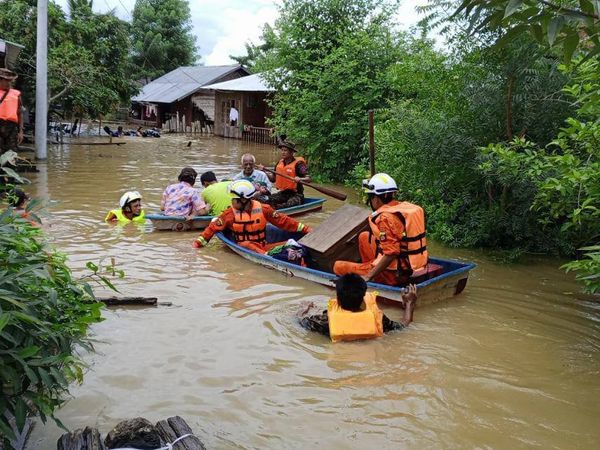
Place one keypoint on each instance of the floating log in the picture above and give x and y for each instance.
(96, 143)
(133, 433)
(112, 301)
(81, 439)
(175, 427)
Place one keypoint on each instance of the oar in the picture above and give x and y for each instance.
(338, 195)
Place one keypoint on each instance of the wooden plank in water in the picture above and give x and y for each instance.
(339, 227)
(113, 301)
(96, 143)
(81, 439)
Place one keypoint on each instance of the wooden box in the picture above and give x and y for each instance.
(336, 237)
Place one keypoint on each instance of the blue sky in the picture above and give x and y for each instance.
(223, 26)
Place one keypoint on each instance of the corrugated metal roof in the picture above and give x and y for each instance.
(251, 83)
(182, 82)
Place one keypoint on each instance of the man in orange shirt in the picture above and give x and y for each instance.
(247, 219)
(11, 117)
(395, 246)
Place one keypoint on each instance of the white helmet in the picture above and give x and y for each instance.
(129, 197)
(380, 183)
(241, 189)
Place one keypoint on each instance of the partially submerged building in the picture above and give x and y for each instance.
(248, 95)
(9, 51)
(176, 100)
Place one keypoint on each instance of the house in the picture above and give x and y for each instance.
(8, 53)
(176, 99)
(248, 95)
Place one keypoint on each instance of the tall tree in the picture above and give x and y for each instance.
(162, 37)
(328, 61)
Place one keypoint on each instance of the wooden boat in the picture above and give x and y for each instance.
(449, 278)
(175, 223)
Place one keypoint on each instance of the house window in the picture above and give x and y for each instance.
(251, 101)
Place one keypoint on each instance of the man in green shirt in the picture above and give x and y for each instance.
(215, 193)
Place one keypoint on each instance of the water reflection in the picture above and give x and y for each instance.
(512, 362)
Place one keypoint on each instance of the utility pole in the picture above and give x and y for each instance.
(41, 81)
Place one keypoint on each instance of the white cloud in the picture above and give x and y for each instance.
(223, 27)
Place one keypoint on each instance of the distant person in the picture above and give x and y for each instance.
(291, 192)
(258, 177)
(131, 210)
(215, 193)
(354, 314)
(234, 115)
(11, 115)
(181, 199)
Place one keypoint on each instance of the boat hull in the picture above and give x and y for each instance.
(449, 283)
(174, 223)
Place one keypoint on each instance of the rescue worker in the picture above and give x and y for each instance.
(354, 313)
(247, 219)
(291, 193)
(395, 246)
(11, 116)
(131, 210)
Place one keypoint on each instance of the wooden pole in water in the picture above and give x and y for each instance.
(371, 142)
(41, 81)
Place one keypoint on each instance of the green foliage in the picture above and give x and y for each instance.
(328, 60)
(162, 37)
(88, 59)
(44, 315)
(588, 269)
(563, 24)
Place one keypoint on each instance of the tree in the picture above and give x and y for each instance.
(328, 60)
(563, 24)
(255, 52)
(88, 65)
(162, 37)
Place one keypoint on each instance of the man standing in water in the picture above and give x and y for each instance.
(11, 116)
(354, 313)
(131, 210)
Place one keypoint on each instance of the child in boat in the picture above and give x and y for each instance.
(354, 313)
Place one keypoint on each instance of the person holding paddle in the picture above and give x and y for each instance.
(293, 171)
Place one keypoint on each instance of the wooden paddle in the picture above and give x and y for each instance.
(337, 195)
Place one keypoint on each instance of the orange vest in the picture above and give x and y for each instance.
(351, 326)
(413, 248)
(282, 183)
(249, 226)
(9, 108)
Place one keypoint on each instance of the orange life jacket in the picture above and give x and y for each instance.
(9, 108)
(282, 183)
(351, 326)
(413, 249)
(249, 226)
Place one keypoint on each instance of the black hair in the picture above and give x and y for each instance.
(385, 198)
(17, 198)
(350, 289)
(208, 177)
(188, 175)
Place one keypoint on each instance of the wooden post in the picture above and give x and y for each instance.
(371, 142)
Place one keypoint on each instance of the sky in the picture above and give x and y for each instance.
(223, 27)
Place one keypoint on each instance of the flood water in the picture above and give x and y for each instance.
(512, 362)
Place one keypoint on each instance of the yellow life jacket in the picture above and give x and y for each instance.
(117, 214)
(413, 249)
(351, 326)
(9, 108)
(282, 183)
(249, 226)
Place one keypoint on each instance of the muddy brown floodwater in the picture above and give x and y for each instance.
(512, 362)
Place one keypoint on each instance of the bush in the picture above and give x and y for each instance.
(44, 316)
